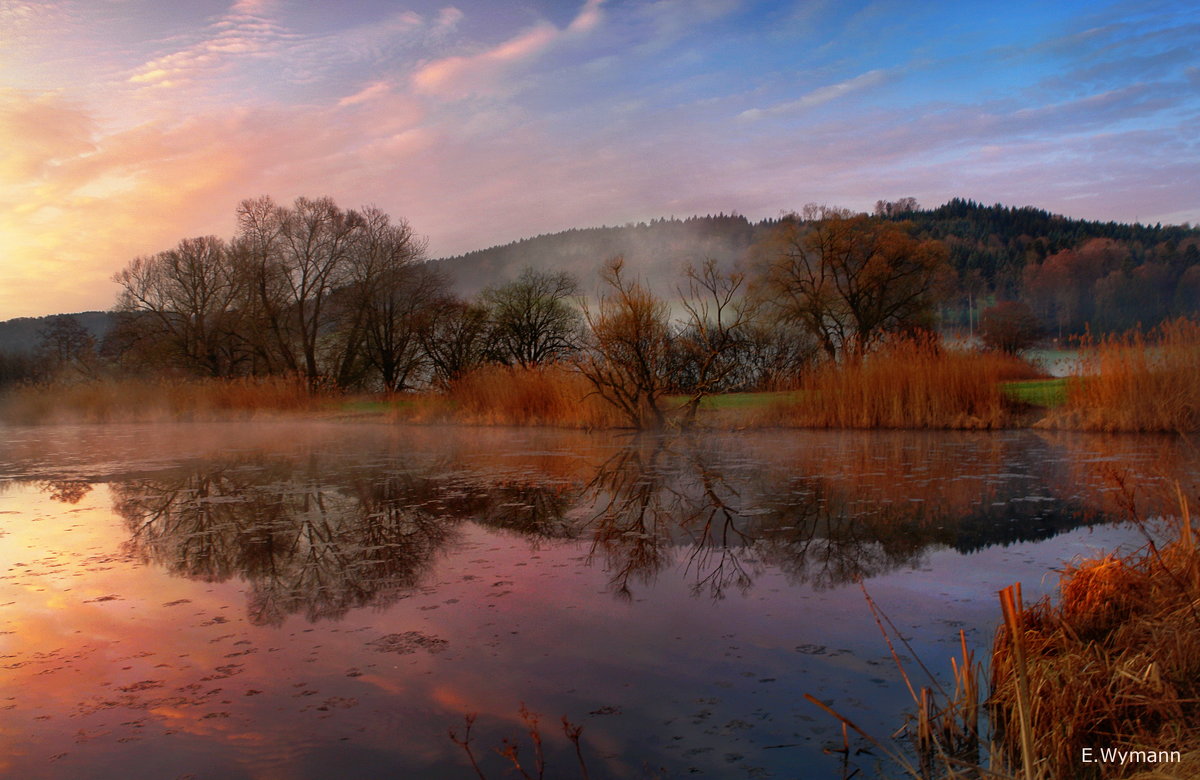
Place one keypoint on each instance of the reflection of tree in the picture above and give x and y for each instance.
(823, 518)
(657, 497)
(319, 538)
(68, 491)
(649, 500)
(303, 543)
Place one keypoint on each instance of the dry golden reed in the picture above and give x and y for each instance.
(1137, 382)
(511, 395)
(141, 400)
(907, 384)
(1115, 664)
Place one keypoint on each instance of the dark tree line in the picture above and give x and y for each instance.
(343, 298)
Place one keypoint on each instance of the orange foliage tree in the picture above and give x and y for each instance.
(850, 279)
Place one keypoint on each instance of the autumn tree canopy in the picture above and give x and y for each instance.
(849, 279)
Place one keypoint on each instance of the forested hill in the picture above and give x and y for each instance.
(656, 251)
(1000, 241)
(22, 334)
(1072, 272)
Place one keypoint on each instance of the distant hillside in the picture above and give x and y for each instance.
(656, 251)
(998, 241)
(21, 335)
(1072, 272)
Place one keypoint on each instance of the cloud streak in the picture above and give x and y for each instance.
(820, 96)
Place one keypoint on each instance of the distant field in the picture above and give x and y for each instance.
(736, 400)
(1038, 392)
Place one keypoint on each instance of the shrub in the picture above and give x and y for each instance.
(1009, 326)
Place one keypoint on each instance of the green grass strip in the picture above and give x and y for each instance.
(1038, 392)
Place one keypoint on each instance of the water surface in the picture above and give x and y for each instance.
(287, 601)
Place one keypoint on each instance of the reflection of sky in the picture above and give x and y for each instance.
(128, 126)
(110, 668)
(107, 663)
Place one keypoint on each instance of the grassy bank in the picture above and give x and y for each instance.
(1045, 393)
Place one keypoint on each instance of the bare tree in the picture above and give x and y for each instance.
(533, 321)
(383, 303)
(297, 258)
(719, 316)
(316, 239)
(66, 347)
(405, 301)
(192, 295)
(629, 350)
(255, 252)
(455, 340)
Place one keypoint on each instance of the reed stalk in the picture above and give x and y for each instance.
(906, 384)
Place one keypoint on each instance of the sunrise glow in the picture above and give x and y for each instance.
(125, 126)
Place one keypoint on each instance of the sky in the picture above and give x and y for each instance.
(127, 125)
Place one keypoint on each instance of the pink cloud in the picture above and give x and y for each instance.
(460, 75)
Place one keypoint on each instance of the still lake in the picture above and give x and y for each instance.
(286, 600)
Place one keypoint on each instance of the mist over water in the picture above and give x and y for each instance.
(308, 600)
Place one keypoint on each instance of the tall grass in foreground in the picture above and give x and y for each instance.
(510, 395)
(907, 384)
(1137, 382)
(142, 400)
(1114, 664)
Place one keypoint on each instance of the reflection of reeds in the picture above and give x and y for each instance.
(908, 384)
(1114, 665)
(1137, 382)
(151, 400)
(510, 749)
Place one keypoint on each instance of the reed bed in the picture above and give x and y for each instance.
(1137, 382)
(1115, 664)
(511, 395)
(907, 384)
(141, 400)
